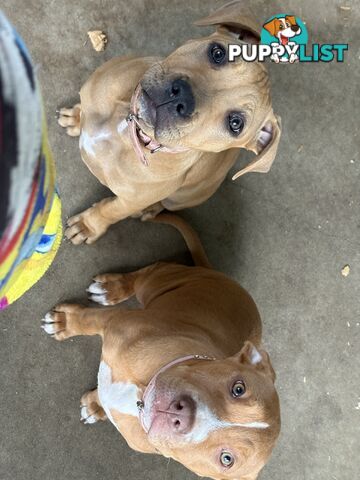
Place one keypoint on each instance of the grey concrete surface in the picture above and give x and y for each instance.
(284, 236)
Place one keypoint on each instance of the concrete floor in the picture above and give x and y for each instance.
(284, 236)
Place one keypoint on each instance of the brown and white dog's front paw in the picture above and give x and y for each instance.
(60, 322)
(69, 118)
(111, 288)
(85, 227)
(90, 410)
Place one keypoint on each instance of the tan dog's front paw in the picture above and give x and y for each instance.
(69, 118)
(111, 288)
(80, 231)
(58, 322)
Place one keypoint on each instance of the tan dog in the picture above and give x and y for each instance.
(193, 108)
(184, 376)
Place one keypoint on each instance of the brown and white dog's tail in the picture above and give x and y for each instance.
(191, 238)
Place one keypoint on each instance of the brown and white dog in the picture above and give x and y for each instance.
(185, 376)
(193, 109)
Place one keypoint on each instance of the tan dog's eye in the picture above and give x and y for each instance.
(217, 53)
(287, 24)
(281, 26)
(236, 122)
(226, 459)
(238, 389)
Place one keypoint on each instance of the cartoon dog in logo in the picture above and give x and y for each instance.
(283, 29)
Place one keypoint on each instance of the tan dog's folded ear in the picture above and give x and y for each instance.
(265, 146)
(250, 355)
(235, 19)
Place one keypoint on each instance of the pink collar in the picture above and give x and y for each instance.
(141, 403)
(139, 139)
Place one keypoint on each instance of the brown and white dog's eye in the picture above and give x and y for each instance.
(226, 459)
(238, 389)
(217, 53)
(236, 122)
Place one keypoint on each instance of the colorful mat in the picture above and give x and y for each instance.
(30, 208)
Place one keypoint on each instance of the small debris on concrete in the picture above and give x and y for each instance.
(345, 270)
(345, 8)
(304, 379)
(300, 148)
(98, 40)
(352, 161)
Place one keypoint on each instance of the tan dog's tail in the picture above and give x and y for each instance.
(191, 238)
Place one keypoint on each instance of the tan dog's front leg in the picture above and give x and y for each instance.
(91, 224)
(69, 118)
(69, 320)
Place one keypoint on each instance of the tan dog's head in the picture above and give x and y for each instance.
(283, 28)
(219, 418)
(198, 100)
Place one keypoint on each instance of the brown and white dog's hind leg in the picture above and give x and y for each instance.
(69, 118)
(90, 408)
(69, 320)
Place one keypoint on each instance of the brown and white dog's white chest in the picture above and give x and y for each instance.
(120, 397)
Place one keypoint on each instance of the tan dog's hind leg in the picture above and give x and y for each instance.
(90, 409)
(69, 118)
(114, 288)
(69, 320)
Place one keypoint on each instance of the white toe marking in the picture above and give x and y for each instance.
(88, 419)
(99, 299)
(49, 328)
(96, 287)
(48, 318)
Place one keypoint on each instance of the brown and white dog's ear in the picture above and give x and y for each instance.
(250, 355)
(236, 20)
(265, 146)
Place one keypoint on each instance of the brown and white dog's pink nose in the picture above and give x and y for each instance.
(181, 415)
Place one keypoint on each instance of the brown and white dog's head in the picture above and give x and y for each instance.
(196, 99)
(283, 28)
(219, 418)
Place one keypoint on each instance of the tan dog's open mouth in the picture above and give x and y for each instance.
(139, 138)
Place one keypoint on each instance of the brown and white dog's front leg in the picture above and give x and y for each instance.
(69, 320)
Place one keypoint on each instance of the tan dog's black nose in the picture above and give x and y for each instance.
(182, 415)
(295, 28)
(182, 97)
